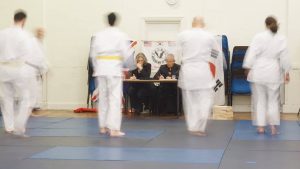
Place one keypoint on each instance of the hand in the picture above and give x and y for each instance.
(139, 66)
(168, 77)
(133, 77)
(40, 33)
(161, 77)
(287, 78)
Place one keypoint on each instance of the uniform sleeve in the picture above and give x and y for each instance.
(2, 46)
(25, 47)
(284, 57)
(251, 54)
(44, 62)
(38, 58)
(125, 47)
(216, 49)
(179, 50)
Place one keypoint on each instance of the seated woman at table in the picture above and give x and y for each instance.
(168, 91)
(139, 92)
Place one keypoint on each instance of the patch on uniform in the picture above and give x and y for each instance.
(214, 53)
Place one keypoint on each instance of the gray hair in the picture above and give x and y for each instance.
(170, 55)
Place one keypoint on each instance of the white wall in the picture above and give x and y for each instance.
(70, 24)
(34, 8)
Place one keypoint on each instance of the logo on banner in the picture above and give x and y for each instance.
(156, 52)
(158, 55)
(219, 84)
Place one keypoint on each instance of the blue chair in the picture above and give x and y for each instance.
(239, 84)
(226, 53)
(225, 49)
(91, 83)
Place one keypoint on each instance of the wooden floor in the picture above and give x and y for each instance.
(71, 114)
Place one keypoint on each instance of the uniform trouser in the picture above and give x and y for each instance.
(265, 104)
(197, 106)
(15, 116)
(35, 89)
(110, 102)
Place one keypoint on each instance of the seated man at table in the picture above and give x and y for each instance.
(139, 92)
(168, 91)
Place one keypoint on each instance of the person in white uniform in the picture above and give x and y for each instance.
(110, 48)
(197, 46)
(36, 66)
(267, 66)
(15, 49)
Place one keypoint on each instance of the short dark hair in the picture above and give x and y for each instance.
(19, 15)
(112, 18)
(272, 24)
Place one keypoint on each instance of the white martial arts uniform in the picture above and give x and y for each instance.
(15, 48)
(110, 48)
(268, 62)
(36, 66)
(196, 80)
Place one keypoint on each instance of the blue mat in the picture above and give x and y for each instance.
(47, 119)
(87, 123)
(39, 122)
(156, 121)
(42, 122)
(134, 134)
(289, 131)
(93, 123)
(76, 123)
(167, 155)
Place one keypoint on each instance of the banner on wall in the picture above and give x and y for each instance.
(130, 63)
(156, 52)
(219, 64)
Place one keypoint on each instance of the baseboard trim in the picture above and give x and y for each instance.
(64, 106)
(236, 108)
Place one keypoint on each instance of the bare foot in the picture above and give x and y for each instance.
(116, 133)
(274, 131)
(198, 133)
(260, 130)
(20, 135)
(104, 130)
(8, 132)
